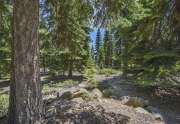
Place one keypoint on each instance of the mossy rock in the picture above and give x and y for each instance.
(134, 102)
(107, 93)
(96, 93)
(66, 95)
(84, 94)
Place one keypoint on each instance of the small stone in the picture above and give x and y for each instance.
(158, 117)
(78, 100)
(134, 101)
(80, 93)
(152, 109)
(141, 110)
(97, 93)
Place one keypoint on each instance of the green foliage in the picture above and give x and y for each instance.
(98, 51)
(107, 72)
(86, 96)
(93, 83)
(67, 95)
(164, 58)
(70, 83)
(107, 93)
(163, 72)
(108, 50)
(57, 85)
(5, 38)
(177, 67)
(65, 35)
(141, 37)
(4, 104)
(90, 73)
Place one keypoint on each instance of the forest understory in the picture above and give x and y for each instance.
(113, 100)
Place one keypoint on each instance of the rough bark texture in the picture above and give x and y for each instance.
(25, 96)
(70, 73)
(177, 14)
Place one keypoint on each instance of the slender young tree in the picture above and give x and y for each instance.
(25, 90)
(108, 50)
(106, 46)
(92, 52)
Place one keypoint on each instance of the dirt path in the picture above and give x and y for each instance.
(168, 107)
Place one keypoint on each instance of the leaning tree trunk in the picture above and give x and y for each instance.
(25, 91)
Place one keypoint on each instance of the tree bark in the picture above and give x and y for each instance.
(25, 90)
(70, 73)
(124, 65)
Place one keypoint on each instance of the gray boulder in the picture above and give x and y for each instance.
(96, 93)
(134, 101)
(141, 110)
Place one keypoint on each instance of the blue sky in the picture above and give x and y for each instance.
(93, 34)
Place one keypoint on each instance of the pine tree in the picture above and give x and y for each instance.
(97, 46)
(25, 90)
(92, 52)
(106, 45)
(111, 49)
(117, 53)
(108, 50)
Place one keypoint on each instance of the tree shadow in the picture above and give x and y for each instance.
(164, 100)
(4, 84)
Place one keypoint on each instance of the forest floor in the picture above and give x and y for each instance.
(166, 101)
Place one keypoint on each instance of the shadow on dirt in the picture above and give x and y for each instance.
(165, 100)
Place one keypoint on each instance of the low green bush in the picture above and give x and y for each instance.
(4, 103)
(54, 86)
(107, 93)
(107, 72)
(47, 88)
(87, 97)
(69, 83)
(90, 73)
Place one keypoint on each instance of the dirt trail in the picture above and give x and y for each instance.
(169, 107)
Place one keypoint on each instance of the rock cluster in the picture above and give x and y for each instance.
(89, 107)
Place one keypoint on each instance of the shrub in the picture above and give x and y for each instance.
(163, 72)
(69, 83)
(87, 97)
(54, 86)
(4, 103)
(89, 73)
(107, 93)
(48, 88)
(107, 72)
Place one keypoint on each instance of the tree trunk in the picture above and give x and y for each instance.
(70, 73)
(25, 90)
(124, 57)
(44, 64)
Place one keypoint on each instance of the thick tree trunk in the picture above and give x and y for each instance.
(177, 12)
(25, 91)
